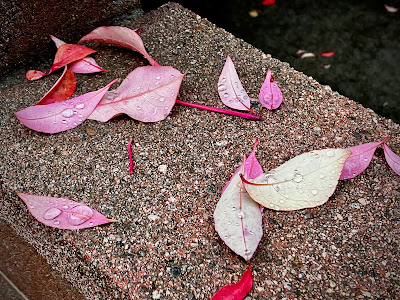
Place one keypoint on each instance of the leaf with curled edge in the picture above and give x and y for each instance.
(308, 180)
(61, 116)
(120, 36)
(147, 94)
(270, 94)
(68, 53)
(359, 160)
(392, 159)
(237, 291)
(230, 89)
(63, 213)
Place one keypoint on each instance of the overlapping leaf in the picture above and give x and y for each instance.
(237, 291)
(68, 53)
(270, 94)
(392, 159)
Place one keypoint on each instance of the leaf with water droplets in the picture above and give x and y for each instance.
(392, 159)
(63, 213)
(68, 53)
(63, 88)
(308, 180)
(120, 36)
(147, 94)
(270, 94)
(230, 89)
(359, 160)
(238, 218)
(61, 116)
(237, 291)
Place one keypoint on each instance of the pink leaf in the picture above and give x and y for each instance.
(270, 93)
(34, 75)
(391, 9)
(237, 291)
(120, 36)
(63, 213)
(68, 53)
(230, 88)
(268, 2)
(392, 159)
(61, 116)
(63, 88)
(147, 94)
(328, 54)
(307, 55)
(359, 160)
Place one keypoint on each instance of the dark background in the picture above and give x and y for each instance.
(364, 36)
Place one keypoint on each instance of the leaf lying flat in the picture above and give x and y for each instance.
(270, 94)
(147, 94)
(61, 116)
(120, 36)
(63, 213)
(68, 53)
(308, 180)
(230, 88)
(237, 291)
(392, 159)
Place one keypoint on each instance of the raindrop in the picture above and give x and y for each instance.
(251, 232)
(55, 122)
(246, 252)
(281, 201)
(79, 105)
(162, 99)
(138, 88)
(237, 84)
(300, 191)
(330, 153)
(91, 223)
(155, 111)
(74, 124)
(75, 112)
(138, 108)
(298, 178)
(67, 113)
(365, 159)
(158, 78)
(79, 215)
(314, 192)
(65, 206)
(56, 222)
(237, 224)
(51, 213)
(226, 95)
(172, 94)
(276, 188)
(321, 176)
(80, 116)
(222, 88)
(32, 206)
(234, 208)
(64, 121)
(223, 80)
(241, 215)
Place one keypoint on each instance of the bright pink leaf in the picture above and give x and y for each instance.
(63, 213)
(230, 88)
(392, 159)
(120, 36)
(328, 54)
(268, 2)
(237, 291)
(68, 53)
(130, 156)
(61, 116)
(270, 94)
(62, 89)
(391, 9)
(34, 75)
(147, 94)
(359, 160)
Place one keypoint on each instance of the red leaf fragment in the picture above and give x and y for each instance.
(68, 53)
(34, 75)
(62, 89)
(327, 54)
(392, 159)
(237, 291)
(268, 2)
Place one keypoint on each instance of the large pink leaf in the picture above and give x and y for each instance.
(359, 160)
(230, 88)
(63, 213)
(61, 116)
(120, 36)
(270, 94)
(147, 94)
(237, 291)
(392, 159)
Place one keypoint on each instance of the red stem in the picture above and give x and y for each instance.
(130, 156)
(220, 110)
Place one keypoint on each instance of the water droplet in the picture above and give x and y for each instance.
(234, 208)
(172, 94)
(138, 108)
(251, 232)
(300, 191)
(74, 124)
(79, 214)
(67, 113)
(56, 222)
(80, 116)
(330, 153)
(55, 122)
(222, 88)
(223, 80)
(276, 188)
(75, 112)
(237, 84)
(226, 95)
(64, 121)
(241, 215)
(365, 159)
(79, 105)
(298, 178)
(158, 78)
(65, 206)
(237, 224)
(138, 88)
(314, 192)
(157, 83)
(246, 252)
(91, 223)
(51, 213)
(32, 206)
(321, 176)
(162, 99)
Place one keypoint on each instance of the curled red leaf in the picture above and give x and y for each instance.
(237, 291)
(68, 53)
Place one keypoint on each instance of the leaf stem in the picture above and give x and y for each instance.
(130, 156)
(220, 110)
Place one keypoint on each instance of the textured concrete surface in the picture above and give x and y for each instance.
(165, 245)
(26, 25)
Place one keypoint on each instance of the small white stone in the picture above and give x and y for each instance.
(362, 201)
(162, 168)
(153, 217)
(156, 294)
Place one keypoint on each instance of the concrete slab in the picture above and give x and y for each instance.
(165, 245)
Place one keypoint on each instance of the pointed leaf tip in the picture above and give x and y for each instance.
(392, 159)
(68, 53)
(237, 291)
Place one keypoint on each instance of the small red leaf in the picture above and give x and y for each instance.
(392, 159)
(130, 156)
(268, 2)
(237, 291)
(34, 75)
(327, 54)
(62, 89)
(68, 53)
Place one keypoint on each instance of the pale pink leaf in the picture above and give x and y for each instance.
(57, 41)
(307, 55)
(327, 54)
(34, 74)
(270, 94)
(237, 291)
(392, 159)
(147, 94)
(63, 213)
(61, 116)
(230, 89)
(359, 160)
(391, 9)
(120, 36)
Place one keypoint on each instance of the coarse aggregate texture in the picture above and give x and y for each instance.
(164, 245)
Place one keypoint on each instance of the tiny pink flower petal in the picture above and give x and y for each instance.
(391, 9)
(327, 54)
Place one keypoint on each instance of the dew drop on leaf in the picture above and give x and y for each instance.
(79, 105)
(330, 153)
(298, 178)
(64, 121)
(241, 215)
(56, 222)
(79, 215)
(162, 99)
(67, 113)
(51, 213)
(222, 88)
(314, 192)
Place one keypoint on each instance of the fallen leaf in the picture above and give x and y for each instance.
(230, 88)
(307, 55)
(270, 94)
(237, 291)
(63, 213)
(327, 54)
(68, 53)
(325, 66)
(34, 75)
(390, 9)
(268, 2)
(63, 88)
(147, 94)
(120, 36)
(359, 160)
(308, 180)
(61, 116)
(392, 159)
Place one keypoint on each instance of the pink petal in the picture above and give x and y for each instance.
(307, 54)
(34, 75)
(61, 116)
(391, 9)
(392, 159)
(268, 2)
(230, 88)
(237, 291)
(328, 54)
(270, 94)
(120, 36)
(63, 213)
